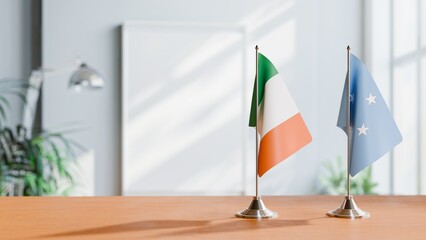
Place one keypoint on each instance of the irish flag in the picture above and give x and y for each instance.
(280, 125)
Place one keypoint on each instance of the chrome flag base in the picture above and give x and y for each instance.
(257, 209)
(348, 209)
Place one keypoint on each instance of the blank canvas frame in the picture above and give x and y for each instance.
(184, 109)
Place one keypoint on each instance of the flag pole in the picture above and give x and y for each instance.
(348, 122)
(348, 209)
(257, 119)
(257, 208)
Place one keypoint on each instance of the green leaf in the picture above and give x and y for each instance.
(30, 180)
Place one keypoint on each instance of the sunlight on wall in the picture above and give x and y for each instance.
(189, 91)
(405, 37)
(405, 111)
(208, 96)
(171, 149)
(185, 135)
(202, 54)
(284, 37)
(266, 13)
(396, 54)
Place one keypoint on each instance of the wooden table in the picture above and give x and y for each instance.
(301, 217)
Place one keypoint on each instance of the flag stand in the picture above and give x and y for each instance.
(348, 209)
(257, 208)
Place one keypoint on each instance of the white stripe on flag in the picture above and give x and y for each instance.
(277, 105)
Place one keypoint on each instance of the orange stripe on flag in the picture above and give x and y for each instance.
(282, 141)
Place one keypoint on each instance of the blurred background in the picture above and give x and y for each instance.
(172, 116)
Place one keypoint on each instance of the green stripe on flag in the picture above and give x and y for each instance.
(266, 71)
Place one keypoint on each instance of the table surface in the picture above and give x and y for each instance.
(300, 217)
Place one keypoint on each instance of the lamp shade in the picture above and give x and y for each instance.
(86, 77)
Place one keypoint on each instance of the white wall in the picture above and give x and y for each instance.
(15, 47)
(395, 57)
(310, 53)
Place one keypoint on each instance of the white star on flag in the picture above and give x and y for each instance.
(371, 99)
(351, 98)
(362, 130)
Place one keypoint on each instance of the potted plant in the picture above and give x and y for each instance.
(34, 165)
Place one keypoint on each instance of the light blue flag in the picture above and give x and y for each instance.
(374, 132)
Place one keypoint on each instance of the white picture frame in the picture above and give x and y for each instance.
(166, 66)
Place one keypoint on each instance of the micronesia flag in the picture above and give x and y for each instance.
(374, 131)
